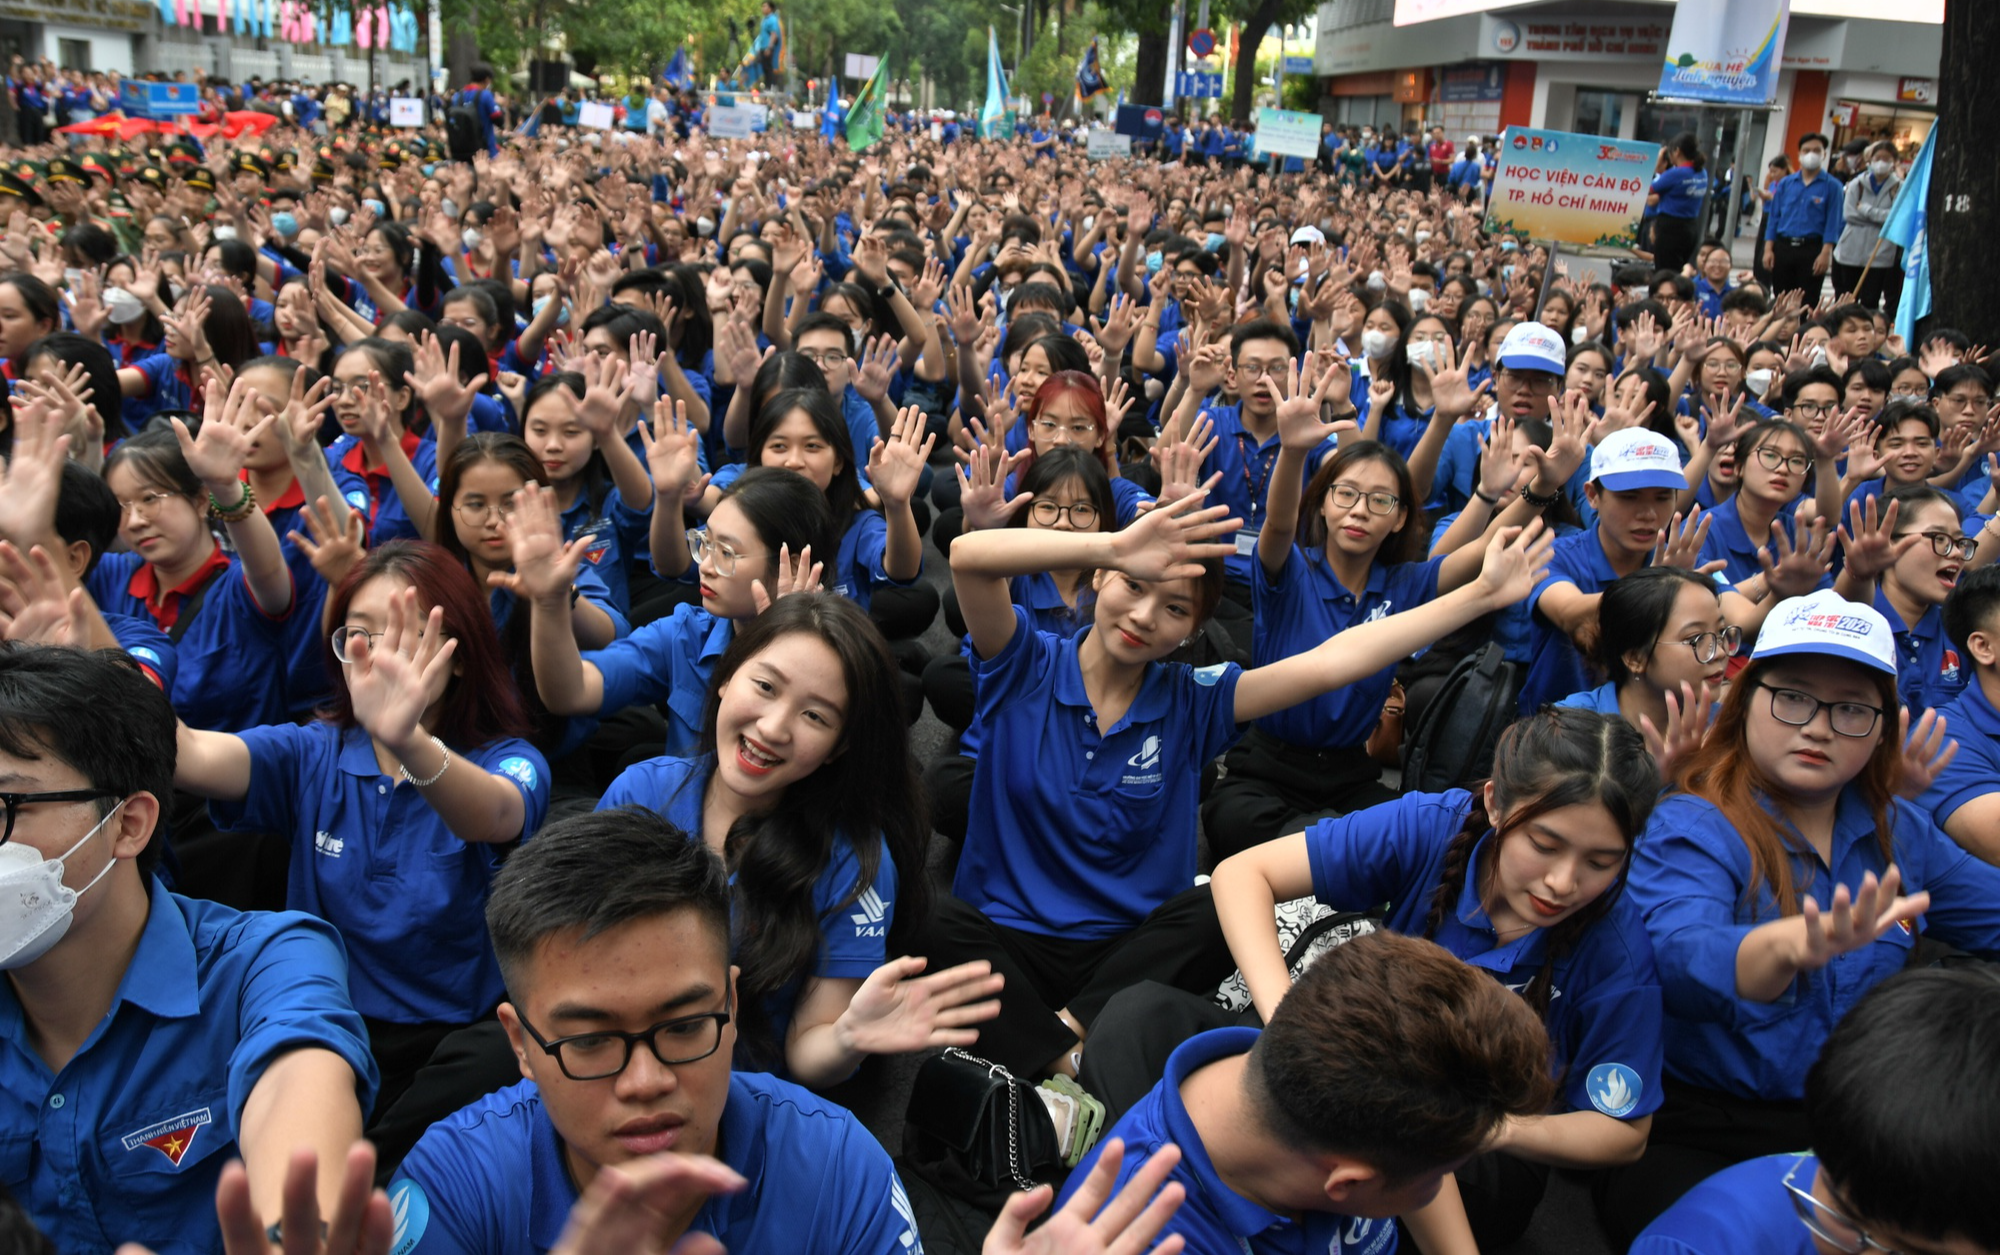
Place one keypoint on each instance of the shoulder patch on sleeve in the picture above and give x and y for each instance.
(519, 770)
(410, 1213)
(1207, 677)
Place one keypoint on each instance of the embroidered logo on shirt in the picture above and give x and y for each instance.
(1148, 756)
(1363, 1237)
(358, 499)
(1379, 612)
(146, 655)
(410, 1213)
(873, 910)
(328, 844)
(170, 1137)
(1947, 667)
(1207, 676)
(1614, 1089)
(519, 770)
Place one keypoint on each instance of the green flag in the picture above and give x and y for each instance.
(864, 116)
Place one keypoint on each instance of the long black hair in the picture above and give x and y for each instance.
(1558, 757)
(1635, 610)
(844, 494)
(868, 787)
(596, 476)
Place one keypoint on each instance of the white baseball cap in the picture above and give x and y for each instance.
(1531, 346)
(1308, 235)
(1636, 457)
(1827, 623)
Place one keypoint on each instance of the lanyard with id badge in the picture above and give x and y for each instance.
(1256, 492)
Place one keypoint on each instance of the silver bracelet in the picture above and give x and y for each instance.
(442, 767)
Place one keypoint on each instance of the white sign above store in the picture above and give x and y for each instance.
(1555, 37)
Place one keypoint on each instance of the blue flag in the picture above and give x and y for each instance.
(1090, 82)
(993, 114)
(677, 74)
(1907, 228)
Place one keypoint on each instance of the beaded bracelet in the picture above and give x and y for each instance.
(243, 509)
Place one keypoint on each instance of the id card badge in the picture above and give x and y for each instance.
(1246, 543)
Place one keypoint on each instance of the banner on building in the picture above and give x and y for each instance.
(1725, 52)
(1571, 189)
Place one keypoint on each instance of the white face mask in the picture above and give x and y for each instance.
(1817, 354)
(1377, 280)
(1421, 236)
(449, 206)
(1419, 299)
(1376, 344)
(1880, 169)
(1420, 353)
(36, 907)
(1811, 161)
(1758, 381)
(471, 237)
(336, 214)
(1578, 334)
(122, 305)
(225, 232)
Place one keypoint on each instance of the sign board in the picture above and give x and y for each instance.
(805, 120)
(1573, 189)
(1917, 91)
(594, 113)
(1201, 42)
(730, 122)
(1282, 132)
(1298, 65)
(858, 66)
(1141, 122)
(143, 99)
(406, 111)
(1559, 38)
(1471, 84)
(1197, 85)
(1725, 52)
(1098, 145)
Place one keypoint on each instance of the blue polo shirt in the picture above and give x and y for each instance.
(854, 919)
(1680, 189)
(1555, 669)
(1690, 876)
(1302, 606)
(1215, 1219)
(231, 664)
(1928, 670)
(1604, 1017)
(1744, 1207)
(1801, 210)
(126, 1142)
(148, 646)
(493, 1180)
(1078, 831)
(1975, 772)
(371, 857)
(668, 660)
(372, 493)
(1709, 297)
(857, 569)
(1730, 541)
(606, 556)
(1247, 464)
(1603, 699)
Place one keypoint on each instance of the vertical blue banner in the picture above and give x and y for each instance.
(1725, 52)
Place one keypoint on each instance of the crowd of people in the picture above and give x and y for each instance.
(467, 596)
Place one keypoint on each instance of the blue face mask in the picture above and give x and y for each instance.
(1506, 274)
(1155, 260)
(284, 224)
(1213, 242)
(1509, 246)
(375, 207)
(542, 303)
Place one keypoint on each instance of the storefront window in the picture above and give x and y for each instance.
(1906, 128)
(1599, 112)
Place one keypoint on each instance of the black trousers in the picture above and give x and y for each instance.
(1674, 241)
(1879, 287)
(465, 1066)
(1273, 788)
(401, 1052)
(1792, 270)
(1696, 1133)
(1180, 945)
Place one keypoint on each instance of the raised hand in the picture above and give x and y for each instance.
(445, 399)
(1517, 559)
(1927, 751)
(231, 426)
(1851, 921)
(643, 378)
(1451, 393)
(897, 1011)
(896, 465)
(876, 369)
(1569, 420)
(1795, 569)
(545, 566)
(1180, 461)
(982, 487)
(1687, 726)
(1086, 1225)
(1500, 468)
(607, 387)
(800, 576)
(31, 480)
(1308, 386)
(332, 548)
(1680, 544)
(305, 408)
(673, 457)
(625, 1208)
(35, 606)
(1173, 538)
(1870, 544)
(1839, 433)
(395, 679)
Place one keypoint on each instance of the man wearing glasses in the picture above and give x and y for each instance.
(612, 931)
(1902, 1104)
(146, 1039)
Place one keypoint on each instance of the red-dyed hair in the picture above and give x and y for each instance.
(1067, 383)
(481, 702)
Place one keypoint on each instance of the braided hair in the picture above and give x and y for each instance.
(1558, 757)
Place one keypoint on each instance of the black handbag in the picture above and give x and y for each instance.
(977, 1131)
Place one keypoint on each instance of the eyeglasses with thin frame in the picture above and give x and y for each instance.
(607, 1052)
(477, 513)
(1827, 1224)
(1082, 516)
(13, 802)
(1848, 719)
(343, 639)
(146, 505)
(1708, 646)
(1344, 496)
(823, 358)
(1946, 545)
(1251, 371)
(701, 545)
(1077, 431)
(1770, 459)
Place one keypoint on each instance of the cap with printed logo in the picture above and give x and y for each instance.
(1636, 457)
(1827, 623)
(1531, 346)
(1308, 235)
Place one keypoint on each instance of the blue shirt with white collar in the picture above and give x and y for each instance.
(126, 1142)
(1302, 606)
(1690, 877)
(1215, 1219)
(371, 857)
(1744, 1207)
(493, 1180)
(1975, 772)
(1078, 831)
(1604, 1014)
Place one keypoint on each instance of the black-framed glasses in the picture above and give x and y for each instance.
(1771, 460)
(13, 802)
(1708, 646)
(1344, 496)
(1946, 545)
(608, 1052)
(1082, 515)
(1850, 719)
(1815, 409)
(1827, 1224)
(1532, 380)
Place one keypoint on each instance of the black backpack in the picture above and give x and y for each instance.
(1453, 742)
(461, 128)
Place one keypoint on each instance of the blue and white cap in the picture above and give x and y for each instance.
(1531, 346)
(1636, 457)
(1827, 623)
